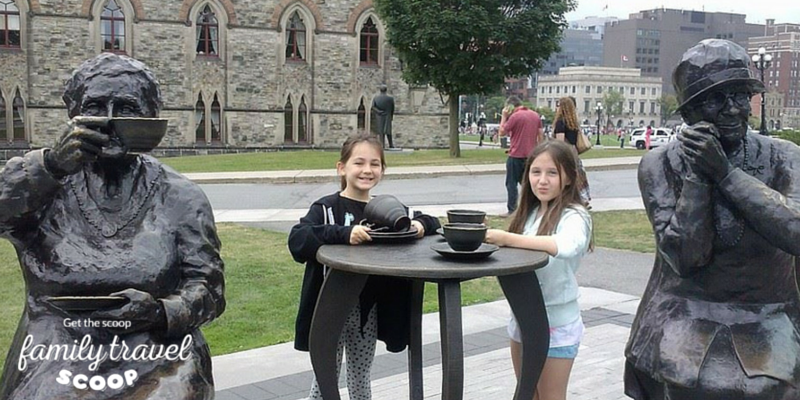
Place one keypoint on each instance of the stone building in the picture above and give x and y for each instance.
(588, 85)
(234, 74)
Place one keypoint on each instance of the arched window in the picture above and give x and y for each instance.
(207, 33)
(3, 127)
(200, 119)
(368, 49)
(216, 129)
(288, 121)
(362, 117)
(112, 28)
(302, 126)
(9, 24)
(296, 38)
(19, 118)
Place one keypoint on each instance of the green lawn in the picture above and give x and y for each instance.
(263, 282)
(321, 159)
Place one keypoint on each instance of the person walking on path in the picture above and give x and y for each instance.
(567, 129)
(524, 129)
(551, 218)
(647, 135)
(382, 312)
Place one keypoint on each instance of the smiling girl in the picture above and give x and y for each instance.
(382, 312)
(552, 218)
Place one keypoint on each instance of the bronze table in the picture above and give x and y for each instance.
(352, 265)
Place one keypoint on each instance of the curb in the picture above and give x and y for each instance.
(466, 171)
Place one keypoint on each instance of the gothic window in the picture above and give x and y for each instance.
(207, 33)
(200, 119)
(368, 50)
(296, 38)
(288, 119)
(19, 118)
(112, 28)
(362, 117)
(302, 117)
(216, 136)
(9, 24)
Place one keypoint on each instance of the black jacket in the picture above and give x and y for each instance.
(324, 224)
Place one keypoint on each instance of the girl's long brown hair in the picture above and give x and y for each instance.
(566, 112)
(350, 144)
(567, 165)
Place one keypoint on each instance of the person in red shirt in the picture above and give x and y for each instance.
(523, 126)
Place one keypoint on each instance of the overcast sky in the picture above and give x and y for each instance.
(757, 12)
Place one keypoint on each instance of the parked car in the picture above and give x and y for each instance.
(659, 137)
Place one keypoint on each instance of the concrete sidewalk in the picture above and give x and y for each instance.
(329, 175)
(282, 373)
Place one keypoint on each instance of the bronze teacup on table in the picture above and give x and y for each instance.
(387, 210)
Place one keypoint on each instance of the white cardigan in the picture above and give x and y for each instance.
(557, 278)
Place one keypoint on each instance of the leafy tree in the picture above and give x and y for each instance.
(668, 104)
(470, 46)
(613, 101)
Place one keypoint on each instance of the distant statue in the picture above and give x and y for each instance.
(721, 313)
(119, 253)
(383, 109)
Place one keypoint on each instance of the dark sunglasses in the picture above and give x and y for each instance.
(715, 101)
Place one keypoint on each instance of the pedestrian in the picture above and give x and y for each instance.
(567, 129)
(647, 134)
(621, 135)
(552, 219)
(333, 219)
(524, 129)
(481, 127)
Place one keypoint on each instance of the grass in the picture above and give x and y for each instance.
(321, 159)
(263, 282)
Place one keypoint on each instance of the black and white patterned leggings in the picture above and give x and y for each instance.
(360, 352)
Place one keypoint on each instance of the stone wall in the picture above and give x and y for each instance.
(251, 79)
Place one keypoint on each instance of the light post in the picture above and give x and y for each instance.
(599, 110)
(762, 60)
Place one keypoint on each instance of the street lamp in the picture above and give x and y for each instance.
(762, 60)
(599, 110)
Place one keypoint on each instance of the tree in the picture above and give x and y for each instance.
(668, 104)
(470, 47)
(612, 103)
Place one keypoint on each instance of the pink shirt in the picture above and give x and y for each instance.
(522, 129)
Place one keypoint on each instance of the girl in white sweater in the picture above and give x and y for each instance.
(552, 218)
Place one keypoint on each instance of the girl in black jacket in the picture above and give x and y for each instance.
(382, 312)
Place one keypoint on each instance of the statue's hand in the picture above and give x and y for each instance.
(81, 143)
(703, 152)
(142, 311)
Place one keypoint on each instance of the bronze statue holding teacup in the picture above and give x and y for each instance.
(110, 235)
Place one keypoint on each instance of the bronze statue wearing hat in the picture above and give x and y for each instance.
(720, 316)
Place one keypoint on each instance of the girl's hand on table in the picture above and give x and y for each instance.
(359, 235)
(420, 228)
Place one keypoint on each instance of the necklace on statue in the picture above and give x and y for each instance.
(108, 224)
(728, 225)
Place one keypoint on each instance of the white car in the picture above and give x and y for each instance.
(659, 137)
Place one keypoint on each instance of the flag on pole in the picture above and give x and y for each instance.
(606, 7)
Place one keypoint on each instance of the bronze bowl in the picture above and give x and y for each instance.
(464, 237)
(139, 135)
